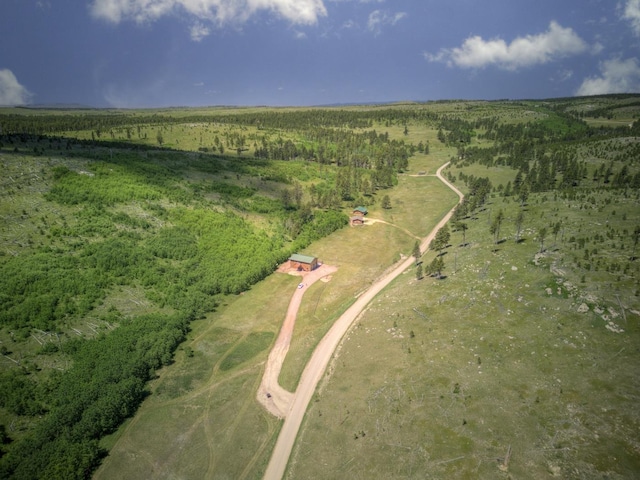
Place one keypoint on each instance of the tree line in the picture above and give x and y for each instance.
(104, 386)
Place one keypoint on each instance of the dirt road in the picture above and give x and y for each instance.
(271, 395)
(314, 370)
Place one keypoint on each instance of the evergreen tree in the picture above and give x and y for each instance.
(542, 234)
(507, 190)
(495, 226)
(518, 222)
(556, 230)
(441, 240)
(416, 251)
(523, 194)
(435, 267)
(463, 227)
(636, 238)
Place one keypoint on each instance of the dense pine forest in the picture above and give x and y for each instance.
(178, 208)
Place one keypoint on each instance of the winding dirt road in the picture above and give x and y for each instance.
(271, 395)
(293, 406)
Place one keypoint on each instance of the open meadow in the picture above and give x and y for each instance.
(233, 439)
(520, 362)
(517, 363)
(140, 299)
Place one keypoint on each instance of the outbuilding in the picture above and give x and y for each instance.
(303, 263)
(360, 211)
(356, 220)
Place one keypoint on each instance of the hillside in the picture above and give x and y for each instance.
(139, 231)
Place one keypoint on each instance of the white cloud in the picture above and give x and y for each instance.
(349, 24)
(11, 92)
(632, 13)
(199, 31)
(597, 48)
(378, 19)
(617, 76)
(304, 12)
(475, 52)
(563, 75)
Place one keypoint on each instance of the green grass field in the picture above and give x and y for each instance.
(202, 414)
(519, 363)
(359, 263)
(510, 352)
(233, 439)
(516, 365)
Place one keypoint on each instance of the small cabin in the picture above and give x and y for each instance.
(356, 220)
(360, 211)
(303, 263)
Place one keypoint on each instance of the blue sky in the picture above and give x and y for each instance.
(156, 53)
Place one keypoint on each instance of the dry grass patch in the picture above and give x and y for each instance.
(499, 175)
(359, 264)
(362, 254)
(417, 205)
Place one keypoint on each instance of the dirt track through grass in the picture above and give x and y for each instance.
(187, 416)
(270, 394)
(193, 429)
(510, 353)
(316, 367)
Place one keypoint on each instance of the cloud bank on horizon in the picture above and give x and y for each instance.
(170, 52)
(11, 92)
(616, 76)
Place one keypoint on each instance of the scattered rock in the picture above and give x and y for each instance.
(591, 298)
(613, 327)
(583, 308)
(555, 470)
